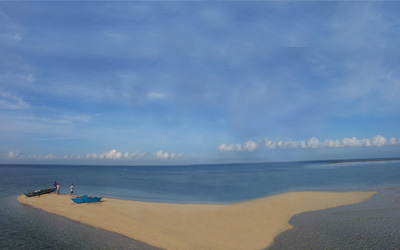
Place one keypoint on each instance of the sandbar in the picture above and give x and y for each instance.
(246, 225)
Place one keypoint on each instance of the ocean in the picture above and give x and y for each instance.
(23, 227)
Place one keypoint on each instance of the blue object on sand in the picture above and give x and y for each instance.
(86, 199)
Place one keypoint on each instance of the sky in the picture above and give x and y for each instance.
(192, 82)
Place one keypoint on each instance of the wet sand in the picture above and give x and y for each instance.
(246, 225)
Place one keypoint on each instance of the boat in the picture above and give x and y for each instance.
(40, 192)
(86, 199)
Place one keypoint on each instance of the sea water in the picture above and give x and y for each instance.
(373, 225)
(23, 227)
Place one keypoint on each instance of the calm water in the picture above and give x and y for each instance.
(26, 228)
(372, 225)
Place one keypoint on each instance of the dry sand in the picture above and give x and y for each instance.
(247, 225)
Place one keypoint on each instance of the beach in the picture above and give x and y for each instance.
(246, 225)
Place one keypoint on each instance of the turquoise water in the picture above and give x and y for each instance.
(27, 228)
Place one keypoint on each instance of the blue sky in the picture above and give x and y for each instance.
(198, 82)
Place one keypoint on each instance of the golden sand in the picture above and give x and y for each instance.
(247, 225)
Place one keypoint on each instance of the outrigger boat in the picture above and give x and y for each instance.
(39, 192)
(86, 199)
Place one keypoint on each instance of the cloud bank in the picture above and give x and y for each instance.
(111, 155)
(313, 143)
(249, 146)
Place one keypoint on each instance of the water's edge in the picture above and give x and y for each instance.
(373, 223)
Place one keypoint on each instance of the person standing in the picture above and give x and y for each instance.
(72, 189)
(58, 188)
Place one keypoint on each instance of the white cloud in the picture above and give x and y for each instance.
(379, 141)
(111, 155)
(115, 155)
(248, 146)
(37, 157)
(135, 155)
(161, 155)
(12, 154)
(313, 142)
(393, 141)
(50, 157)
(10, 101)
(67, 157)
(165, 155)
(229, 147)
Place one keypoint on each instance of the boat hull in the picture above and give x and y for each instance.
(39, 192)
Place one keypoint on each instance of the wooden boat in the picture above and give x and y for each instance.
(86, 199)
(40, 192)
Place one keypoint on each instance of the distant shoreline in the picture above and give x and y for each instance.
(327, 161)
(372, 160)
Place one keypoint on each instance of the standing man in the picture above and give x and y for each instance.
(72, 189)
(58, 188)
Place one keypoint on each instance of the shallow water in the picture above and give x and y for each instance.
(373, 225)
(23, 227)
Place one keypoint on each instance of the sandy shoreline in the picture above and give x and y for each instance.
(247, 225)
